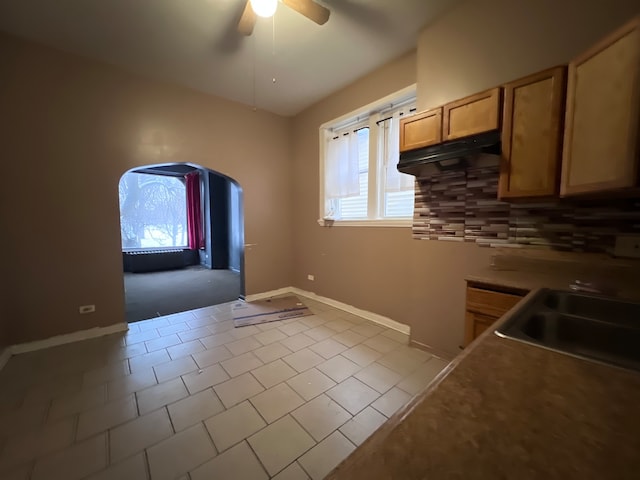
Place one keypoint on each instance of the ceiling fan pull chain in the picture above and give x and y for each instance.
(273, 44)
(254, 74)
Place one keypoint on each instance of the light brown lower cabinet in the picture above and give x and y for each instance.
(485, 305)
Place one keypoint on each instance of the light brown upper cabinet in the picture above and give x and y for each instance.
(475, 114)
(421, 130)
(603, 106)
(532, 135)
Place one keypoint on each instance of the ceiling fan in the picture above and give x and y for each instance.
(266, 8)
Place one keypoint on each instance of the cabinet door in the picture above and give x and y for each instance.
(603, 105)
(481, 324)
(532, 135)
(421, 130)
(469, 328)
(484, 307)
(475, 114)
(475, 324)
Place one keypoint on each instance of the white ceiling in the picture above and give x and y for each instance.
(195, 43)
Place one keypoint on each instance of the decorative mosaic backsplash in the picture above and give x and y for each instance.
(462, 206)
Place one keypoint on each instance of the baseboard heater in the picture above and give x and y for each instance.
(154, 260)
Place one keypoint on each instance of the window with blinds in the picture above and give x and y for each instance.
(398, 187)
(355, 208)
(399, 204)
(367, 145)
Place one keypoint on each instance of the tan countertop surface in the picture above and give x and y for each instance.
(506, 410)
(625, 286)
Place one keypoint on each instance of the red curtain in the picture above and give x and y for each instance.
(194, 213)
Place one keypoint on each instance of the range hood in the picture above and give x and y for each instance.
(452, 155)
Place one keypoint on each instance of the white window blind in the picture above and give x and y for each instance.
(398, 187)
(341, 167)
(355, 207)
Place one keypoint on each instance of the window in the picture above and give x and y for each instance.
(354, 207)
(398, 187)
(360, 183)
(153, 211)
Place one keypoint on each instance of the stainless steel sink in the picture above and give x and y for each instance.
(587, 326)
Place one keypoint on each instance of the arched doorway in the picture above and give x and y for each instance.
(182, 231)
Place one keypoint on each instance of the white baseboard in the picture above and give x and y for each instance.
(272, 293)
(5, 355)
(68, 338)
(436, 352)
(373, 317)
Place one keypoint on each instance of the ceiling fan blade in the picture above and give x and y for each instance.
(247, 20)
(309, 9)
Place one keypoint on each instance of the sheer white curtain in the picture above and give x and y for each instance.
(341, 167)
(395, 181)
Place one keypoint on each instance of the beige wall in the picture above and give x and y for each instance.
(483, 43)
(378, 269)
(477, 45)
(70, 127)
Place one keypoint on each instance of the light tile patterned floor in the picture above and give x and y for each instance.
(188, 396)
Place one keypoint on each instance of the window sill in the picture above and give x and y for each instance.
(383, 222)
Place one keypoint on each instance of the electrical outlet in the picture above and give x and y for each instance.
(627, 246)
(311, 277)
(86, 309)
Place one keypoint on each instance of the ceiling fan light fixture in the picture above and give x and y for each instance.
(264, 8)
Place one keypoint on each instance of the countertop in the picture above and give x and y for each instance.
(505, 410)
(626, 284)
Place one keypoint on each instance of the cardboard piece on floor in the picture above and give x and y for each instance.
(270, 310)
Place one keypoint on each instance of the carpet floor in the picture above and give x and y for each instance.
(154, 294)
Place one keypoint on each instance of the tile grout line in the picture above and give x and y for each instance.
(127, 362)
(135, 399)
(147, 464)
(31, 468)
(305, 430)
(266, 423)
(256, 455)
(108, 447)
(76, 426)
(47, 412)
(155, 374)
(215, 448)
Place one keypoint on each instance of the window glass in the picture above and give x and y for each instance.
(379, 192)
(398, 204)
(153, 211)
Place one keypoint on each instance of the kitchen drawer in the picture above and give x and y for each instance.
(489, 302)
